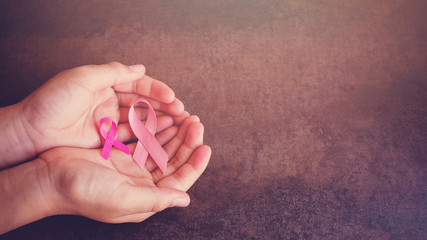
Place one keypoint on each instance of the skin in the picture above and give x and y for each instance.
(58, 123)
(66, 110)
(79, 181)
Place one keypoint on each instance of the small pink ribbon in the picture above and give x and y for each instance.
(147, 143)
(110, 138)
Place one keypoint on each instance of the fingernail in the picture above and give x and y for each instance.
(137, 68)
(180, 202)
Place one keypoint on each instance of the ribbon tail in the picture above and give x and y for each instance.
(140, 155)
(105, 152)
(121, 146)
(157, 152)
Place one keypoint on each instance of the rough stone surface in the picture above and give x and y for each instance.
(316, 111)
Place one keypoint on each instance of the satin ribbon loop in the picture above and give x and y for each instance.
(110, 139)
(147, 143)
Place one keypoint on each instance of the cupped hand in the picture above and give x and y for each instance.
(66, 110)
(117, 190)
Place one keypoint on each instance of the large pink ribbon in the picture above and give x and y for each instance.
(147, 143)
(110, 139)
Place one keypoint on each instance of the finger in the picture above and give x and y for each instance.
(188, 174)
(132, 147)
(175, 143)
(125, 132)
(126, 99)
(166, 135)
(96, 77)
(140, 112)
(193, 140)
(132, 199)
(149, 87)
(175, 107)
(179, 119)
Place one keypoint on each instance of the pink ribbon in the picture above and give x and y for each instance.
(110, 138)
(147, 143)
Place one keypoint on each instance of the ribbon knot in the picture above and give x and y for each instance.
(147, 143)
(110, 138)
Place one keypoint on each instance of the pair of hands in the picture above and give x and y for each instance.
(60, 120)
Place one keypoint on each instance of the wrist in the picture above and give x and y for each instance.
(50, 182)
(26, 195)
(51, 201)
(15, 144)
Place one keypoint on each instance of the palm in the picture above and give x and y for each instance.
(106, 190)
(72, 118)
(95, 184)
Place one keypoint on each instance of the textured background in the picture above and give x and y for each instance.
(316, 111)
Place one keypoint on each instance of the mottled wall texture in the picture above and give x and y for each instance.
(316, 111)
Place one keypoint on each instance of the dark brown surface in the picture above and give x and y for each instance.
(316, 110)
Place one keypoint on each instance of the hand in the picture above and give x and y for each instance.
(66, 110)
(117, 190)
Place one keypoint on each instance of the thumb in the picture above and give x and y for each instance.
(96, 77)
(145, 199)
